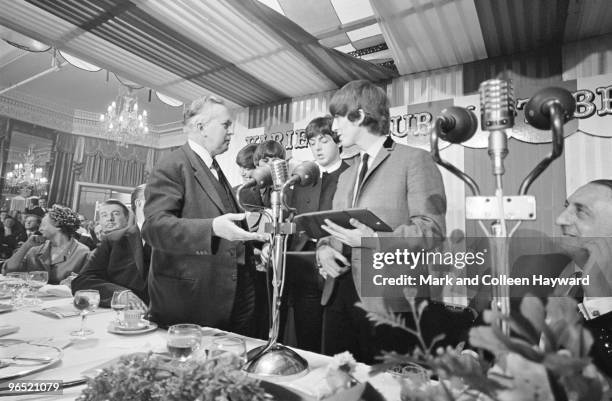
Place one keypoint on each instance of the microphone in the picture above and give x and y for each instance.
(538, 108)
(261, 176)
(497, 113)
(306, 174)
(279, 173)
(457, 124)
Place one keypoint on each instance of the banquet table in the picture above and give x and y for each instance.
(83, 354)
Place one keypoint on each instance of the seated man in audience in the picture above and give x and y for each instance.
(56, 251)
(586, 224)
(114, 215)
(32, 225)
(120, 262)
(35, 208)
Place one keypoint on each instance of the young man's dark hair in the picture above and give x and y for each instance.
(244, 158)
(269, 150)
(321, 126)
(365, 96)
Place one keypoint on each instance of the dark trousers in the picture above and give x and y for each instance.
(305, 299)
(241, 319)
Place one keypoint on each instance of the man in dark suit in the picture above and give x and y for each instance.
(404, 188)
(586, 225)
(120, 262)
(303, 282)
(201, 268)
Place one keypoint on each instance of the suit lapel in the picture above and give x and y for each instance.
(352, 174)
(382, 155)
(204, 178)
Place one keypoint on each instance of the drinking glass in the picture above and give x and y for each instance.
(229, 345)
(86, 301)
(183, 340)
(16, 281)
(118, 303)
(37, 279)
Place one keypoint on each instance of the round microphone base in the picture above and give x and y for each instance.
(277, 361)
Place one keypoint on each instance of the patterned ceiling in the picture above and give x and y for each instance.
(256, 52)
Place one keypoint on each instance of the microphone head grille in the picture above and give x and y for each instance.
(280, 173)
(497, 109)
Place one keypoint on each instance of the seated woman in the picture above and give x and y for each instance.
(56, 251)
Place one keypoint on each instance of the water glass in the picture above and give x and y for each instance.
(86, 301)
(16, 282)
(118, 303)
(183, 340)
(36, 280)
(416, 374)
(229, 345)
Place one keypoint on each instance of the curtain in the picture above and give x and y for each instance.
(64, 170)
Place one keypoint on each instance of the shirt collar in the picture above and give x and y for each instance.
(374, 148)
(201, 152)
(331, 168)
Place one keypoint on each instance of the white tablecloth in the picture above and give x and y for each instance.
(103, 346)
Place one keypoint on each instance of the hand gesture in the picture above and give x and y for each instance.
(225, 227)
(350, 237)
(328, 259)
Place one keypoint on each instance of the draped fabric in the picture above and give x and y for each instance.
(62, 179)
(113, 171)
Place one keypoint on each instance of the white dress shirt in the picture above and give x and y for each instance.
(204, 155)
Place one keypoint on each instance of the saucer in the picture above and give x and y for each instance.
(143, 327)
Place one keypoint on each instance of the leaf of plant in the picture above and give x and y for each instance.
(564, 365)
(436, 340)
(484, 337)
(534, 312)
(562, 309)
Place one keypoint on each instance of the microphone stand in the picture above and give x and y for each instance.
(274, 359)
(523, 206)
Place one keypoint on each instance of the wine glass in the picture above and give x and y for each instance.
(86, 301)
(15, 281)
(36, 280)
(118, 303)
(229, 345)
(183, 340)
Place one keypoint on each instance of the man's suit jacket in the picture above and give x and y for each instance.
(306, 200)
(120, 262)
(404, 188)
(193, 273)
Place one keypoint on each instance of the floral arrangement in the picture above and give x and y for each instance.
(548, 360)
(146, 377)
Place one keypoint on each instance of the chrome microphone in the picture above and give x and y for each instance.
(497, 113)
(280, 173)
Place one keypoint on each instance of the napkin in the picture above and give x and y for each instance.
(8, 329)
(59, 312)
(62, 291)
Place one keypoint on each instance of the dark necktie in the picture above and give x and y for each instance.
(223, 181)
(362, 174)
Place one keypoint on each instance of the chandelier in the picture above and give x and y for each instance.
(122, 122)
(27, 175)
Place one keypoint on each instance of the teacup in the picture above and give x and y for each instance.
(132, 318)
